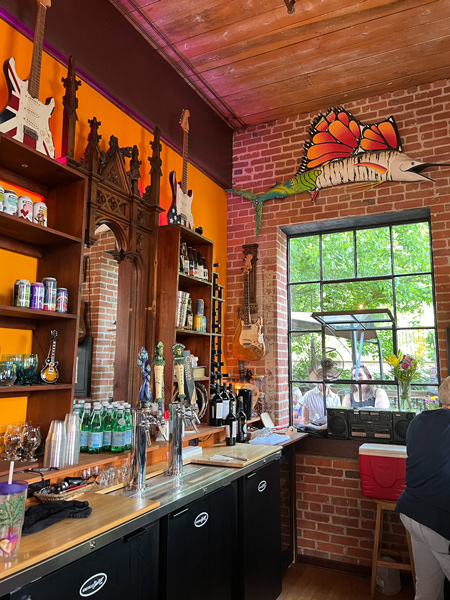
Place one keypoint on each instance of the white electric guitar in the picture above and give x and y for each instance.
(248, 341)
(25, 118)
(181, 208)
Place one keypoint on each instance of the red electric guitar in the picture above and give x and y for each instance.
(25, 118)
(180, 210)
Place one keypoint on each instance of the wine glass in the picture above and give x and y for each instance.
(16, 359)
(8, 373)
(29, 440)
(12, 441)
(29, 368)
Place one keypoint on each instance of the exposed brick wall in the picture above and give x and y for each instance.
(268, 153)
(100, 292)
(334, 520)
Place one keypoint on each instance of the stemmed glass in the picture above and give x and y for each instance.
(12, 441)
(29, 368)
(29, 440)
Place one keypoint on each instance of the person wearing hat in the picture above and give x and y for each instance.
(314, 402)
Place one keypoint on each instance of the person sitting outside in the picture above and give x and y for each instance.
(297, 406)
(371, 397)
(313, 402)
(424, 506)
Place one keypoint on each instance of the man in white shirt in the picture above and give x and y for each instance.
(313, 404)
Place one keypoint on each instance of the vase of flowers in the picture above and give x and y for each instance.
(404, 368)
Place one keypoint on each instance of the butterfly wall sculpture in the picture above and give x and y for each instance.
(343, 150)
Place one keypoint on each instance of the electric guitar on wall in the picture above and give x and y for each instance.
(49, 372)
(181, 208)
(248, 341)
(25, 118)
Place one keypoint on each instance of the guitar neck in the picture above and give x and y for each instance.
(247, 320)
(35, 72)
(185, 161)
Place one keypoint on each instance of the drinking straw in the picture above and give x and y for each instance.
(11, 469)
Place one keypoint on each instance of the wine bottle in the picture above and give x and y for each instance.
(231, 426)
(241, 424)
(189, 323)
(199, 265)
(225, 400)
(219, 406)
(191, 261)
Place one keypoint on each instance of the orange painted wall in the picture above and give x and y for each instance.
(209, 204)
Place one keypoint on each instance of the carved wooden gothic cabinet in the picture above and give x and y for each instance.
(114, 201)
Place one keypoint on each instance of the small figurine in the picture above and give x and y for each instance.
(145, 394)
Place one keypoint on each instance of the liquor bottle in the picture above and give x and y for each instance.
(219, 406)
(225, 400)
(191, 261)
(128, 426)
(231, 426)
(241, 424)
(95, 434)
(107, 429)
(205, 270)
(183, 258)
(118, 433)
(199, 266)
(186, 259)
(85, 426)
(189, 324)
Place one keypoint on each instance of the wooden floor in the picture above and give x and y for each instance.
(302, 582)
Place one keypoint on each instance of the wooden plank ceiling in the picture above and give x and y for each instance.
(254, 62)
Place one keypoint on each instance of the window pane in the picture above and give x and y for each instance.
(304, 259)
(338, 255)
(411, 248)
(305, 299)
(373, 249)
(304, 348)
(414, 299)
(420, 344)
(358, 295)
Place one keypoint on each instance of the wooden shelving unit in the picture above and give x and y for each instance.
(170, 281)
(58, 249)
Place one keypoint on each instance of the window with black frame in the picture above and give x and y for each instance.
(362, 269)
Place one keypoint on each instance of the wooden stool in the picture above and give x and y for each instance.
(378, 551)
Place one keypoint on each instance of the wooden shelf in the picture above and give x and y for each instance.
(27, 390)
(190, 332)
(31, 313)
(189, 280)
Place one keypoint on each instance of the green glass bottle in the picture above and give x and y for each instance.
(128, 426)
(85, 426)
(107, 429)
(118, 433)
(95, 435)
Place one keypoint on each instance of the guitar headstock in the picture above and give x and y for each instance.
(46, 3)
(54, 335)
(247, 264)
(184, 121)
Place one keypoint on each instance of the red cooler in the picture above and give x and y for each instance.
(382, 468)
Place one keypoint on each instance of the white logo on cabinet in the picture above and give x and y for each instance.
(93, 584)
(201, 519)
(262, 485)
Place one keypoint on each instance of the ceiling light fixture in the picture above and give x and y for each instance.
(290, 4)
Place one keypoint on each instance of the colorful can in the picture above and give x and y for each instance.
(40, 213)
(199, 307)
(50, 288)
(22, 293)
(37, 295)
(25, 208)
(10, 202)
(62, 300)
(198, 323)
(1, 198)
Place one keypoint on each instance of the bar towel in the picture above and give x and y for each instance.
(41, 516)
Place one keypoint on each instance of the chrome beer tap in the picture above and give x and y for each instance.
(180, 415)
